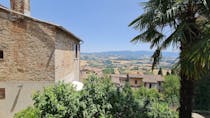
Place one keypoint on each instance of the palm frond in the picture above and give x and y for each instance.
(143, 21)
(150, 35)
(135, 21)
(198, 55)
(157, 14)
(156, 41)
(206, 4)
(179, 15)
(175, 37)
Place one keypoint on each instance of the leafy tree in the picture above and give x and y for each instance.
(171, 87)
(189, 22)
(161, 110)
(58, 101)
(95, 99)
(99, 99)
(30, 112)
(145, 94)
(124, 103)
(154, 104)
(108, 71)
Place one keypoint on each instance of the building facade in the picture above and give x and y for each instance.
(33, 55)
(137, 81)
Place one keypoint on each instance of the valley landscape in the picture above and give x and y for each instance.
(124, 62)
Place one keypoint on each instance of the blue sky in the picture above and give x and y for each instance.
(101, 24)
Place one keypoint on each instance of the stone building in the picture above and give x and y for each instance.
(135, 81)
(33, 54)
(138, 80)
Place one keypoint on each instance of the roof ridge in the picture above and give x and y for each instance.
(41, 21)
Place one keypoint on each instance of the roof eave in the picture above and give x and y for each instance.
(41, 21)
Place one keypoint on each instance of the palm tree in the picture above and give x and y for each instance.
(185, 25)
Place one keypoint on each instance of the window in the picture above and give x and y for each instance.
(136, 82)
(1, 54)
(76, 51)
(150, 85)
(2, 93)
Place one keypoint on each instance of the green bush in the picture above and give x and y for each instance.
(58, 101)
(30, 112)
(154, 104)
(171, 87)
(124, 104)
(100, 98)
(108, 71)
(160, 110)
(95, 98)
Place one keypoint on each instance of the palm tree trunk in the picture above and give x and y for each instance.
(187, 81)
(186, 97)
(186, 90)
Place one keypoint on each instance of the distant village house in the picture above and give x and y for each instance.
(137, 81)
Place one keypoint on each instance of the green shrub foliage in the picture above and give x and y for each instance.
(30, 112)
(100, 98)
(171, 87)
(58, 101)
(154, 104)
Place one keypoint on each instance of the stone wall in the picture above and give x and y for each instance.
(36, 54)
(133, 80)
(28, 48)
(66, 62)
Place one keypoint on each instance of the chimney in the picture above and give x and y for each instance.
(21, 6)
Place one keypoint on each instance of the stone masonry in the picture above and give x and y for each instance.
(35, 54)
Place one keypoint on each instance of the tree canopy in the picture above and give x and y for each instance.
(171, 88)
(99, 99)
(187, 23)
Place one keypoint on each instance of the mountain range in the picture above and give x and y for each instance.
(128, 54)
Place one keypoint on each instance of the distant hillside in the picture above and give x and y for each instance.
(127, 54)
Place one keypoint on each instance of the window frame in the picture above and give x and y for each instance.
(136, 81)
(2, 93)
(1, 54)
(76, 49)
